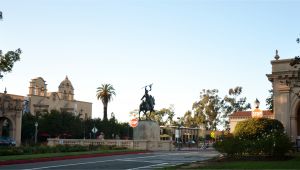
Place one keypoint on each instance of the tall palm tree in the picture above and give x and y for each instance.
(105, 92)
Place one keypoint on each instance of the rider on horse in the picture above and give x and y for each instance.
(148, 103)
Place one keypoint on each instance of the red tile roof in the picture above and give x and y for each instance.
(248, 113)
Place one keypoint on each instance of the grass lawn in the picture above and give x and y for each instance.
(293, 163)
(47, 155)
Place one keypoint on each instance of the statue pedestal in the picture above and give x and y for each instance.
(147, 130)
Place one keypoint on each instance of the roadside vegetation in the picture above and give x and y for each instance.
(31, 152)
(292, 162)
(256, 137)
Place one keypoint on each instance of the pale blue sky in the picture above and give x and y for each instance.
(182, 46)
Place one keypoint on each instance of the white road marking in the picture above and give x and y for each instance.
(142, 167)
(83, 163)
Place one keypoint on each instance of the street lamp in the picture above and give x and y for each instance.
(178, 134)
(35, 136)
(84, 126)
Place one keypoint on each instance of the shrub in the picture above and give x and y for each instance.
(257, 137)
(229, 145)
(257, 127)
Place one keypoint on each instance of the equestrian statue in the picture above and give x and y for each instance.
(147, 104)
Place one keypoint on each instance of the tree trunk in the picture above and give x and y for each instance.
(105, 111)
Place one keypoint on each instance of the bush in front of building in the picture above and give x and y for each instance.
(255, 128)
(256, 137)
(229, 145)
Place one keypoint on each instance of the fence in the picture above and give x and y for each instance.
(130, 144)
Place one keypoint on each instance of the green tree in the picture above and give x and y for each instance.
(188, 119)
(270, 101)
(192, 120)
(163, 116)
(233, 103)
(105, 92)
(208, 108)
(7, 60)
(61, 124)
(28, 128)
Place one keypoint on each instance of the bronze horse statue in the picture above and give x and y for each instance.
(145, 107)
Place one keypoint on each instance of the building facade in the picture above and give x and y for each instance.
(285, 79)
(40, 100)
(12, 107)
(11, 116)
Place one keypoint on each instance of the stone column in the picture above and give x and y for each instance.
(18, 128)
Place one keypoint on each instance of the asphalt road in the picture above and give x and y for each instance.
(150, 160)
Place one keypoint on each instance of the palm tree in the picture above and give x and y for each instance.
(105, 93)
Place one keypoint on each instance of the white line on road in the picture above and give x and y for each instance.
(83, 163)
(142, 167)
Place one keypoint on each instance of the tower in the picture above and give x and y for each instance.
(66, 90)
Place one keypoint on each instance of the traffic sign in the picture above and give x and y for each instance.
(134, 122)
(94, 130)
(177, 133)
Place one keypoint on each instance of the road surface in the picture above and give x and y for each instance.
(150, 160)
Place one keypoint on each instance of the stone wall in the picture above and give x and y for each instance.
(130, 144)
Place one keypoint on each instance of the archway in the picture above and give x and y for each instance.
(6, 127)
(298, 122)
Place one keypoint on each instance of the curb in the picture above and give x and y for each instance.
(11, 162)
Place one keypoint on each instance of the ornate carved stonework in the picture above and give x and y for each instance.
(285, 79)
(11, 116)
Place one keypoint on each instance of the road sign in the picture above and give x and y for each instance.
(134, 122)
(213, 135)
(177, 133)
(94, 130)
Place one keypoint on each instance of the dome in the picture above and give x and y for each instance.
(66, 84)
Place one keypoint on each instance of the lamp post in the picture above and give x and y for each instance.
(35, 136)
(177, 134)
(84, 126)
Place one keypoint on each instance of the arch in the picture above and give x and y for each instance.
(6, 127)
(298, 123)
(294, 117)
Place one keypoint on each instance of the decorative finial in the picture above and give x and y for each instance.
(66, 76)
(1, 15)
(256, 103)
(276, 55)
(5, 92)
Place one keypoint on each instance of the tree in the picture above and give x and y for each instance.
(270, 101)
(7, 60)
(60, 124)
(188, 119)
(163, 116)
(208, 108)
(105, 92)
(231, 103)
(28, 127)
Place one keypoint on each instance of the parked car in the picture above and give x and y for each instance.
(7, 141)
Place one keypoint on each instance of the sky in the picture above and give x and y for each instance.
(181, 46)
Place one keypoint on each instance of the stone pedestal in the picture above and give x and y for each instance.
(147, 130)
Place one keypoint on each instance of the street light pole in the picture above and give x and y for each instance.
(35, 136)
(84, 126)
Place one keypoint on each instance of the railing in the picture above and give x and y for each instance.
(130, 144)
